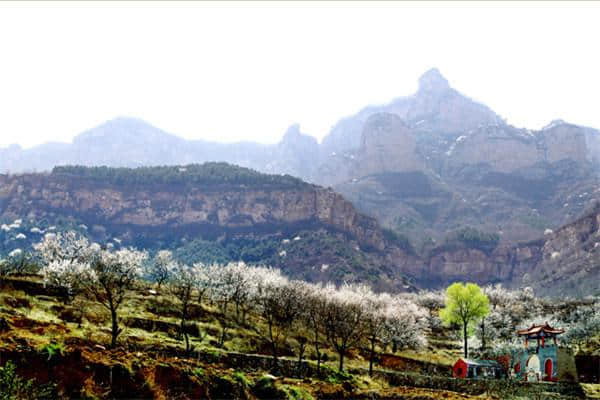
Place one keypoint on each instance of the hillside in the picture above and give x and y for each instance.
(217, 212)
(210, 212)
(64, 348)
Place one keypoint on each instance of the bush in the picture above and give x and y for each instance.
(297, 393)
(239, 376)
(334, 376)
(198, 373)
(13, 387)
(265, 388)
(53, 350)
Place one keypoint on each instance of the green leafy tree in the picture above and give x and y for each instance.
(465, 304)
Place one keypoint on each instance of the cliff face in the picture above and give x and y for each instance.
(564, 262)
(570, 258)
(506, 149)
(567, 260)
(472, 168)
(178, 206)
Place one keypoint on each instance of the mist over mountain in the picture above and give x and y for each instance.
(464, 192)
(423, 165)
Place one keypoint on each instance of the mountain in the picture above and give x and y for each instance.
(427, 164)
(131, 142)
(435, 107)
(214, 212)
(217, 212)
(423, 165)
(446, 177)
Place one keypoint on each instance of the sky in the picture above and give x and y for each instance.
(246, 71)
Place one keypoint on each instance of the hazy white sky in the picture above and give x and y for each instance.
(237, 71)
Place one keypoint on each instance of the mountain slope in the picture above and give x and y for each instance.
(233, 212)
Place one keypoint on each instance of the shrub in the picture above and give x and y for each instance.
(198, 372)
(242, 379)
(265, 388)
(53, 350)
(13, 387)
(297, 393)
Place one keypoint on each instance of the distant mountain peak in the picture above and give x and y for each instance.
(553, 123)
(433, 81)
(293, 130)
(122, 128)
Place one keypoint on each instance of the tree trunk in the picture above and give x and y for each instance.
(318, 358)
(465, 339)
(483, 333)
(341, 365)
(115, 327)
(300, 357)
(273, 345)
(372, 356)
(223, 334)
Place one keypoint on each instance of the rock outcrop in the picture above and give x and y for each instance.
(179, 206)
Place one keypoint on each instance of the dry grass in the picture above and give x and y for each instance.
(592, 390)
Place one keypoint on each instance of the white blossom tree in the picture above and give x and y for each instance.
(68, 246)
(66, 259)
(315, 304)
(158, 269)
(109, 276)
(182, 281)
(406, 324)
(344, 319)
(280, 305)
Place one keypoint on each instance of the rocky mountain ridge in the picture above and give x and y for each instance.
(424, 165)
(301, 219)
(218, 204)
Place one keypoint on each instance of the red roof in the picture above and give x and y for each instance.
(535, 329)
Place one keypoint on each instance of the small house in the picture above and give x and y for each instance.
(478, 369)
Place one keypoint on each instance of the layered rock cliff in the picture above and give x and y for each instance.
(233, 213)
(232, 206)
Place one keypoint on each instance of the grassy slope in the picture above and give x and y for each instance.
(46, 346)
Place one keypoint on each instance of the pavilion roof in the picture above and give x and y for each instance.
(536, 329)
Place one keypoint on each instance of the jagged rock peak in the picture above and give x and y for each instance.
(293, 130)
(433, 81)
(294, 136)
